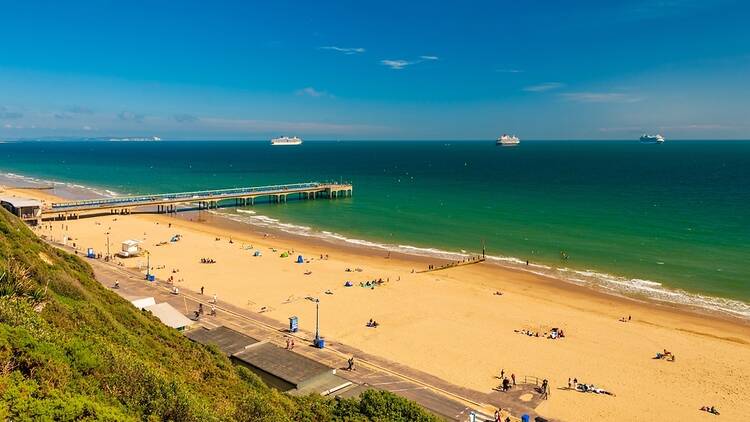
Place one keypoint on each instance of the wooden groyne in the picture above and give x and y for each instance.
(453, 264)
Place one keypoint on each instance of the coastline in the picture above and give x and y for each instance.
(453, 316)
(636, 289)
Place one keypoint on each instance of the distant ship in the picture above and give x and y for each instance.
(652, 139)
(285, 140)
(508, 141)
(136, 139)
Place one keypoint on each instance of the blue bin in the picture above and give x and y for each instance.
(151, 277)
(319, 343)
(293, 324)
(525, 418)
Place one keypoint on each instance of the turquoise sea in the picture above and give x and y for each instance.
(671, 221)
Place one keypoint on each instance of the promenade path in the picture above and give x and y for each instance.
(447, 400)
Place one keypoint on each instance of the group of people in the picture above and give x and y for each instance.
(499, 418)
(506, 383)
(372, 323)
(553, 334)
(372, 283)
(199, 312)
(624, 319)
(208, 261)
(666, 354)
(289, 343)
(710, 409)
(586, 388)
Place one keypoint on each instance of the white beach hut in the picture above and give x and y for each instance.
(130, 248)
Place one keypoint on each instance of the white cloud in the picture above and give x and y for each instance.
(129, 116)
(312, 92)
(396, 64)
(600, 97)
(345, 50)
(86, 128)
(547, 86)
(185, 118)
(429, 57)
(272, 126)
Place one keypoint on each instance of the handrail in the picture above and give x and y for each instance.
(188, 196)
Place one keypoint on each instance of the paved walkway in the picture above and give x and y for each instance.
(439, 396)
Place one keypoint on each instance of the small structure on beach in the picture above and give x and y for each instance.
(169, 316)
(28, 210)
(130, 248)
(143, 302)
(300, 260)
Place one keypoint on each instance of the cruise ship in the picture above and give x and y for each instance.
(285, 140)
(652, 139)
(508, 141)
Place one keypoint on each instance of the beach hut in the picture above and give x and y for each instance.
(90, 253)
(143, 303)
(284, 255)
(129, 248)
(300, 260)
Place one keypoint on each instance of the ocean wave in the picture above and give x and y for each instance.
(71, 190)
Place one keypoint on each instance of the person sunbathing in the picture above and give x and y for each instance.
(710, 409)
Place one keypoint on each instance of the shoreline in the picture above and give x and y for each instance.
(452, 324)
(213, 224)
(688, 301)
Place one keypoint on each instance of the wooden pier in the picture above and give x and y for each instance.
(167, 202)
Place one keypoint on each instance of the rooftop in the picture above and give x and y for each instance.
(17, 202)
(227, 340)
(169, 315)
(281, 363)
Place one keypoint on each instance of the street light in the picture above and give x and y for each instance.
(108, 256)
(148, 265)
(318, 342)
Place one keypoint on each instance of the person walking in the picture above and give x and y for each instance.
(201, 289)
(513, 377)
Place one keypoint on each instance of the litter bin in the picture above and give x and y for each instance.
(151, 277)
(293, 324)
(320, 343)
(525, 418)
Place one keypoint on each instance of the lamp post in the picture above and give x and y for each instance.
(318, 342)
(317, 320)
(148, 265)
(108, 246)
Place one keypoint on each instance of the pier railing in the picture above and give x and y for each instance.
(213, 195)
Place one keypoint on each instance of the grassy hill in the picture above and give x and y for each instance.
(71, 349)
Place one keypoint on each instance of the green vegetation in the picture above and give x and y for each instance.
(71, 349)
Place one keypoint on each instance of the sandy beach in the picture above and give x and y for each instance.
(451, 323)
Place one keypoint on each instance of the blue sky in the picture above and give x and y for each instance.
(376, 70)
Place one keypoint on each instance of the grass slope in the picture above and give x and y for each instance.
(72, 350)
